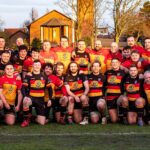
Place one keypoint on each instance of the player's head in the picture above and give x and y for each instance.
(126, 52)
(147, 43)
(35, 53)
(147, 77)
(115, 63)
(36, 66)
(22, 51)
(133, 71)
(114, 47)
(59, 68)
(98, 45)
(96, 67)
(81, 45)
(73, 68)
(9, 70)
(46, 45)
(135, 56)
(19, 41)
(48, 69)
(131, 41)
(64, 42)
(5, 57)
(2, 43)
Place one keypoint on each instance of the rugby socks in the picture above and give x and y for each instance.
(85, 112)
(63, 111)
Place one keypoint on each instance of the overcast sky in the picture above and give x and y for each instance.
(15, 12)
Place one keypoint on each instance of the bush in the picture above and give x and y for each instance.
(36, 43)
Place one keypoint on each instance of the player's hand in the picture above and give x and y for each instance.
(141, 76)
(7, 106)
(77, 99)
(17, 108)
(139, 64)
(49, 103)
(29, 74)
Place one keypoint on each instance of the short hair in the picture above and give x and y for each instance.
(146, 72)
(6, 52)
(9, 63)
(132, 66)
(37, 61)
(35, 49)
(147, 38)
(64, 37)
(23, 47)
(115, 59)
(135, 51)
(81, 40)
(127, 47)
(1, 37)
(46, 41)
(96, 61)
(50, 65)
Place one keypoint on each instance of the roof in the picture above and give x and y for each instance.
(11, 31)
(54, 22)
(49, 13)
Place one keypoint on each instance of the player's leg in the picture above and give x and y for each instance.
(77, 113)
(63, 108)
(40, 110)
(140, 103)
(122, 103)
(85, 108)
(101, 106)
(10, 117)
(27, 103)
(132, 113)
(112, 110)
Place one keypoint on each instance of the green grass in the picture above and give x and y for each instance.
(74, 137)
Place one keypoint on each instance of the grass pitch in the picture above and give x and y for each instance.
(74, 137)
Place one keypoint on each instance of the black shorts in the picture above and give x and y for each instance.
(93, 103)
(56, 105)
(112, 104)
(132, 107)
(10, 111)
(77, 105)
(39, 105)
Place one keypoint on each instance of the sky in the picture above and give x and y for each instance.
(15, 12)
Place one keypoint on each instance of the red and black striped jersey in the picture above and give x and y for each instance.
(96, 85)
(36, 85)
(76, 83)
(133, 87)
(147, 92)
(114, 83)
(18, 63)
(83, 60)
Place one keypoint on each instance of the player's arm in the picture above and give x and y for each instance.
(2, 97)
(25, 85)
(86, 86)
(69, 91)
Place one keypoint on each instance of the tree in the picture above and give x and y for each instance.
(142, 25)
(26, 23)
(69, 7)
(125, 14)
(34, 14)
